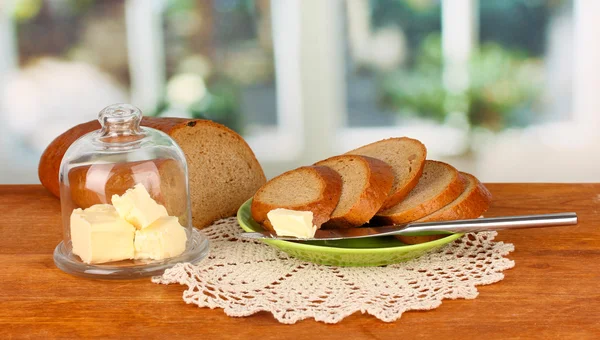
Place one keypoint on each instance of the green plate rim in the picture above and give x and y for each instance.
(311, 247)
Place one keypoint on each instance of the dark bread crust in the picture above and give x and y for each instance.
(443, 198)
(330, 183)
(472, 206)
(375, 191)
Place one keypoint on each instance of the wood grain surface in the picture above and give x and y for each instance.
(553, 292)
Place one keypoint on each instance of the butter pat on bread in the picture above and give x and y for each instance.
(288, 222)
(309, 188)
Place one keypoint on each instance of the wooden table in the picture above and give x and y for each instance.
(553, 291)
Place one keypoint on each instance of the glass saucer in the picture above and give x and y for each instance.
(64, 259)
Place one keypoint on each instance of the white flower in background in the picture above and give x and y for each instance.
(44, 99)
(185, 89)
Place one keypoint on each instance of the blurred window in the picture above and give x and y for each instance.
(388, 44)
(406, 61)
(88, 31)
(520, 73)
(62, 62)
(525, 62)
(302, 79)
(219, 62)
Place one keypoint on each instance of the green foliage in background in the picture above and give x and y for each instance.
(504, 84)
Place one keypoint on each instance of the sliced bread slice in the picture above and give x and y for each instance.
(366, 183)
(439, 185)
(308, 188)
(407, 158)
(472, 203)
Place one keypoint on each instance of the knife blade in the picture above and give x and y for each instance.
(431, 228)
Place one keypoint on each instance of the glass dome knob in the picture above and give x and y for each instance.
(120, 120)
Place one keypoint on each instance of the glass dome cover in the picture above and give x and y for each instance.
(125, 202)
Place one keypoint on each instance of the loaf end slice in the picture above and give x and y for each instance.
(439, 185)
(223, 171)
(309, 188)
(406, 156)
(472, 203)
(366, 183)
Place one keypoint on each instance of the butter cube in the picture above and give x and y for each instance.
(162, 239)
(99, 235)
(288, 222)
(137, 207)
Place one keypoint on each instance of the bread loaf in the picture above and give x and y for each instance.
(223, 171)
(471, 203)
(407, 158)
(439, 185)
(308, 188)
(366, 183)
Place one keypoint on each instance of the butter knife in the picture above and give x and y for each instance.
(432, 228)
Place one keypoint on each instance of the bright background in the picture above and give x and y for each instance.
(508, 90)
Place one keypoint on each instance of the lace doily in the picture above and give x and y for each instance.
(244, 277)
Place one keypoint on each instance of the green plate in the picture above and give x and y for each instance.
(373, 251)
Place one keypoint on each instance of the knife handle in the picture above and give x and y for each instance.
(491, 223)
